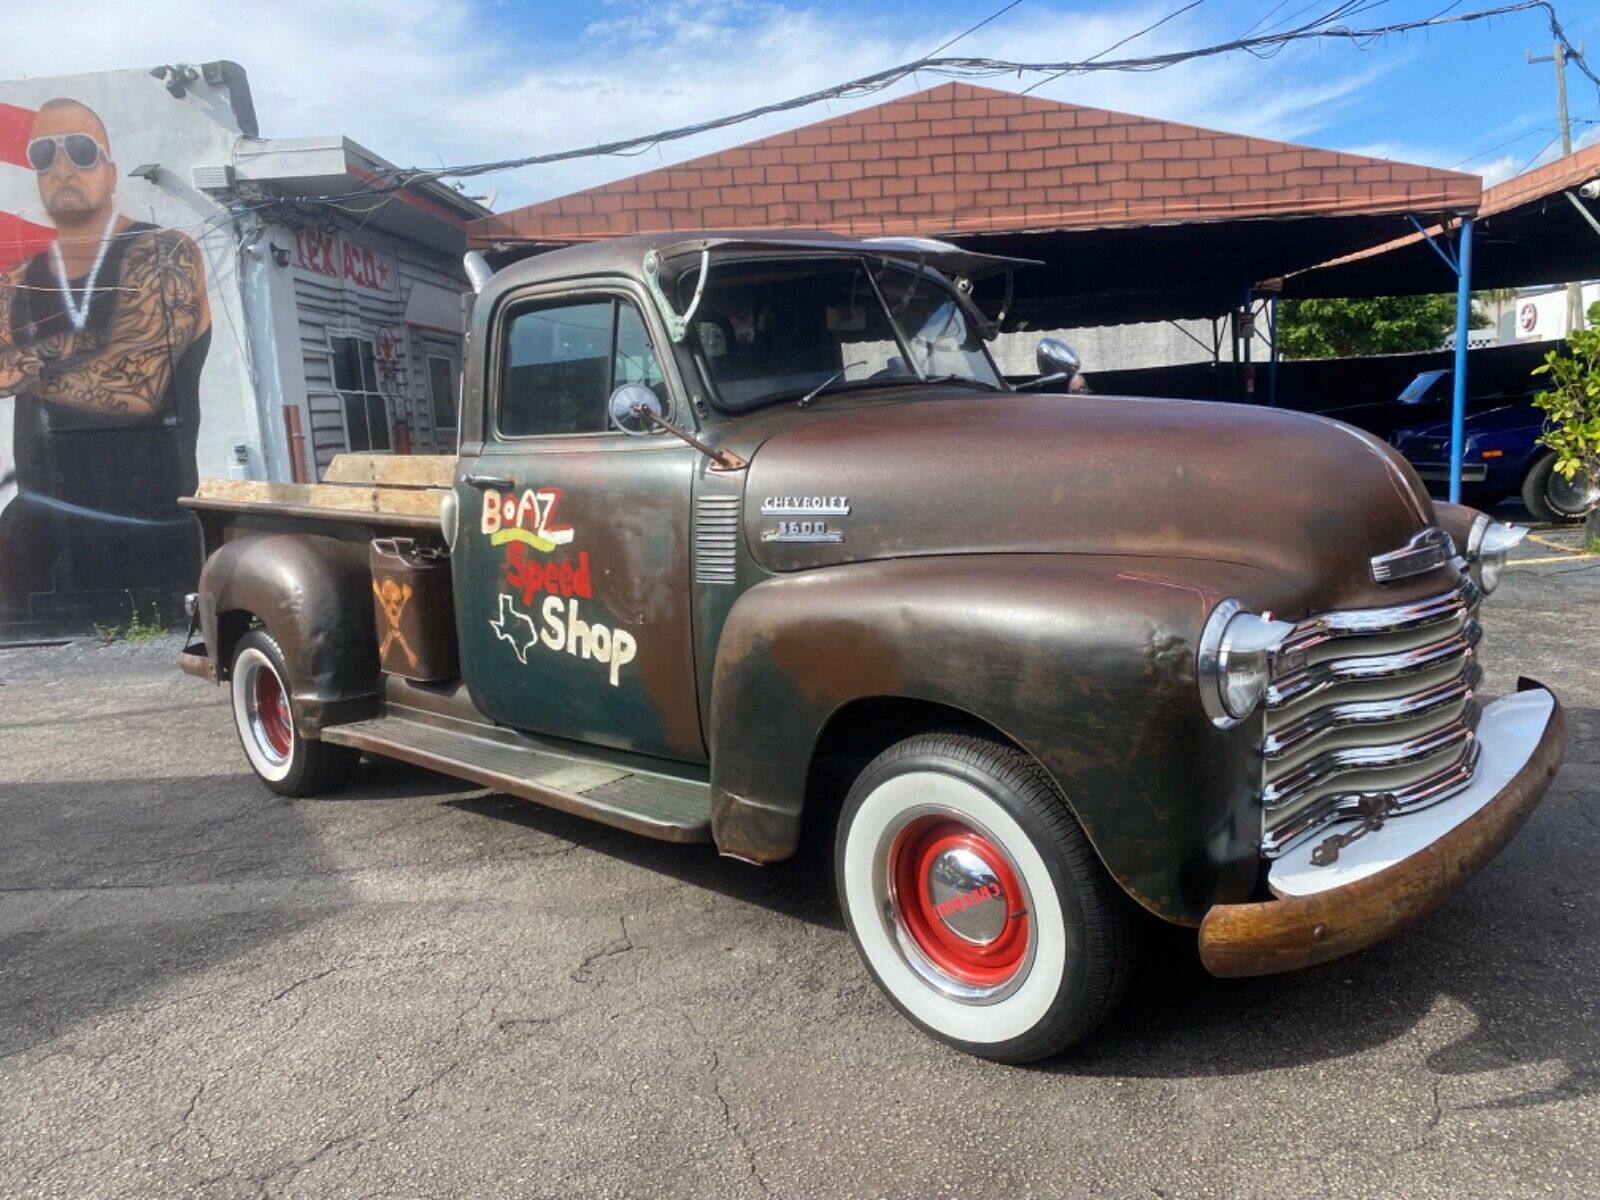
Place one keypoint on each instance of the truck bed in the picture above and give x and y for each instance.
(392, 492)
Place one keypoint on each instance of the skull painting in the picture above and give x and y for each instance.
(394, 597)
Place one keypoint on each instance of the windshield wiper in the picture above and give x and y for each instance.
(823, 386)
(965, 380)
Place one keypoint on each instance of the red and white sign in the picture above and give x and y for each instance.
(337, 257)
(20, 237)
(1527, 317)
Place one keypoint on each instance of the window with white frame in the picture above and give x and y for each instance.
(355, 376)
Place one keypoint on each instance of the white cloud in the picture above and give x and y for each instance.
(424, 82)
(1498, 170)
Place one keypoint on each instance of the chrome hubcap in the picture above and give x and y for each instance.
(1574, 496)
(955, 906)
(967, 896)
(268, 710)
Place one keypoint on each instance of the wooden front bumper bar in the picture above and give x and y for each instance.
(1287, 934)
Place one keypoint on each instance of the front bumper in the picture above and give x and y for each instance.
(1436, 472)
(1390, 877)
(194, 659)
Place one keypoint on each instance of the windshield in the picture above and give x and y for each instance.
(1417, 389)
(774, 329)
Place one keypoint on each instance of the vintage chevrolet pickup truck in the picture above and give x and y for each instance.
(747, 535)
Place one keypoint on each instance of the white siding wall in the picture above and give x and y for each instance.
(327, 307)
(421, 266)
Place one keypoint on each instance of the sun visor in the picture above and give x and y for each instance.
(944, 256)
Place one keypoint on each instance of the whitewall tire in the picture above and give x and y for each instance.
(975, 900)
(281, 756)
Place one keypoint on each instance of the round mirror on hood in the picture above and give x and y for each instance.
(628, 404)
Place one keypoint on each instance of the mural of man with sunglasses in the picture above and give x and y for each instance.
(102, 339)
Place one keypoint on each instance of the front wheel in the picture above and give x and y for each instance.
(281, 756)
(977, 903)
(1551, 496)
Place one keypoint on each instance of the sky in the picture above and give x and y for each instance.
(429, 82)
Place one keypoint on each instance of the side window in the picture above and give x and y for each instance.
(563, 360)
(635, 361)
(557, 370)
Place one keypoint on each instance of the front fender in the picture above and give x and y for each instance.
(314, 595)
(1456, 520)
(1086, 663)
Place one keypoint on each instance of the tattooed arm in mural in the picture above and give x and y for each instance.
(19, 368)
(161, 309)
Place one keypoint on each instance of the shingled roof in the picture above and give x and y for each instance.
(959, 159)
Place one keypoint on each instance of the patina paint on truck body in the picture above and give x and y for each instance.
(747, 534)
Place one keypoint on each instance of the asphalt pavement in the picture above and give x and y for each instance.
(416, 988)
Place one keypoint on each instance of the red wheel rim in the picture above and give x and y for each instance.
(957, 896)
(272, 713)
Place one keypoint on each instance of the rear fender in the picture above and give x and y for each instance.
(314, 595)
(1086, 663)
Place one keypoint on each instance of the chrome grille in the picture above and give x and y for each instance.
(1366, 703)
(716, 539)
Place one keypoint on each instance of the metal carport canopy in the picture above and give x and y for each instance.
(1533, 229)
(1173, 271)
(1529, 231)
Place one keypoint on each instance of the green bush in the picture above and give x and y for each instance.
(1572, 402)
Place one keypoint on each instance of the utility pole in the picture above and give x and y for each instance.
(1558, 55)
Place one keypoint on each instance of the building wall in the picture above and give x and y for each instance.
(400, 296)
(1114, 347)
(1538, 314)
(94, 446)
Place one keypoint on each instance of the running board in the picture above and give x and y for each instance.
(657, 806)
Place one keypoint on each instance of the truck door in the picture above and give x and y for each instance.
(572, 564)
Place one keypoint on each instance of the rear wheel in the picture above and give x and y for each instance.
(1550, 496)
(281, 756)
(977, 903)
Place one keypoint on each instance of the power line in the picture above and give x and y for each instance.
(1535, 156)
(1510, 141)
(1478, 114)
(1264, 18)
(994, 16)
(1324, 28)
(1177, 12)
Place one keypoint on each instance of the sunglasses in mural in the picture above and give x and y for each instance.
(82, 151)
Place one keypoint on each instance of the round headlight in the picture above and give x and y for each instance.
(1235, 661)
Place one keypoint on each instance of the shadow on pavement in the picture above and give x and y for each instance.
(114, 889)
(1486, 950)
(801, 887)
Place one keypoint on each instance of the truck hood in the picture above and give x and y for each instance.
(1304, 498)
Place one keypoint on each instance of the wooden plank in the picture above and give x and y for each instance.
(394, 470)
(344, 498)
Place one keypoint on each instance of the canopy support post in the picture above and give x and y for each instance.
(1458, 410)
(1272, 352)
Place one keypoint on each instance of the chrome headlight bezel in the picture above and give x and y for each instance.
(1488, 545)
(1233, 662)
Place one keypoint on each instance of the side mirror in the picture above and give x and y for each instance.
(1058, 366)
(1055, 357)
(624, 405)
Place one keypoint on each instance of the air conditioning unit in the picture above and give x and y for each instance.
(218, 178)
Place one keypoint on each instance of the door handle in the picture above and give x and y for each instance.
(499, 482)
